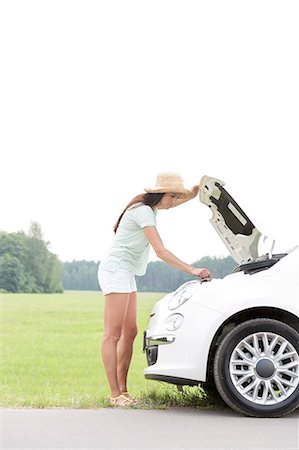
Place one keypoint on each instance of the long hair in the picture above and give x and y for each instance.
(149, 199)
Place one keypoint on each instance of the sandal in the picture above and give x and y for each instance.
(121, 400)
(129, 396)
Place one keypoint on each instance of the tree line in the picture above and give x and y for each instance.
(27, 265)
(159, 277)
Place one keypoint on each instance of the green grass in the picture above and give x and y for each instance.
(50, 346)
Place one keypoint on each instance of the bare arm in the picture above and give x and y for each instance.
(154, 239)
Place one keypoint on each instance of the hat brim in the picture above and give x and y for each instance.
(164, 190)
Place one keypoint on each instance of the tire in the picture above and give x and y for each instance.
(256, 368)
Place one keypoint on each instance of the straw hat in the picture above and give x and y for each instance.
(169, 182)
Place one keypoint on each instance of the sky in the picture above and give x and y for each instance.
(98, 97)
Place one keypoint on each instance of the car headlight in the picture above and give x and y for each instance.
(182, 294)
(174, 322)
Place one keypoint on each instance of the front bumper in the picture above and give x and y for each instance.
(157, 340)
(173, 380)
(179, 356)
(151, 348)
(151, 345)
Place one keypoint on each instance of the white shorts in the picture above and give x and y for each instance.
(120, 281)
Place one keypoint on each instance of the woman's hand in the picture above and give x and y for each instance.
(201, 273)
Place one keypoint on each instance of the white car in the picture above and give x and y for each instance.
(239, 333)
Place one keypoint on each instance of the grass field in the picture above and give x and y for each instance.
(50, 346)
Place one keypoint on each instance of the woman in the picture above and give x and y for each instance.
(128, 256)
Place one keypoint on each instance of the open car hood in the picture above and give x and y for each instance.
(236, 230)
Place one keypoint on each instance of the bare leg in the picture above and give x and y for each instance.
(116, 306)
(125, 344)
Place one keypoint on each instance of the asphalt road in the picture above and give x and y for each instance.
(49, 429)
